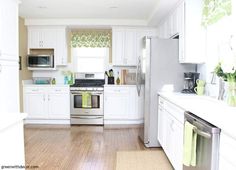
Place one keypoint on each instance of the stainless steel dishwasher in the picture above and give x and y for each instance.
(208, 139)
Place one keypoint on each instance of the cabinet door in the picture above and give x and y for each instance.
(130, 49)
(116, 104)
(9, 29)
(60, 52)
(35, 105)
(58, 106)
(9, 87)
(181, 25)
(178, 145)
(195, 34)
(48, 38)
(118, 36)
(161, 127)
(34, 38)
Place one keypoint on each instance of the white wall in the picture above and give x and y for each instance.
(217, 34)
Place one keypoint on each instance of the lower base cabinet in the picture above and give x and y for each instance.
(227, 152)
(47, 102)
(121, 105)
(170, 131)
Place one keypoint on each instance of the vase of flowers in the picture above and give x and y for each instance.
(227, 72)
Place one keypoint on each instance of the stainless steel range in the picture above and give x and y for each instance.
(87, 99)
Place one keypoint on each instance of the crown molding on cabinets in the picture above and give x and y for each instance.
(86, 22)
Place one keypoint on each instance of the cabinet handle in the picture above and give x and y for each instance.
(44, 97)
(35, 90)
(48, 97)
(0, 53)
(57, 90)
(0, 68)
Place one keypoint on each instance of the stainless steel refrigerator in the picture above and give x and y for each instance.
(157, 67)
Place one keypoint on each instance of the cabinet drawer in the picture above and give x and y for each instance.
(228, 148)
(33, 90)
(116, 90)
(175, 111)
(59, 90)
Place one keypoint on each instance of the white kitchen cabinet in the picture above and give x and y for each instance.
(124, 46)
(185, 21)
(227, 152)
(60, 50)
(35, 103)
(9, 89)
(45, 37)
(121, 105)
(47, 102)
(58, 103)
(9, 30)
(41, 38)
(170, 131)
(193, 34)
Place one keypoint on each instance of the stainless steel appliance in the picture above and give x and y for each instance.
(92, 84)
(190, 82)
(208, 139)
(157, 67)
(40, 61)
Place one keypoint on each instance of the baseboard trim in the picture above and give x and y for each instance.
(122, 122)
(47, 121)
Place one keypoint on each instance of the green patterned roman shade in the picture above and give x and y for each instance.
(214, 10)
(91, 38)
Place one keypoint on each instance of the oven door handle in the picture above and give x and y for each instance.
(92, 93)
(87, 117)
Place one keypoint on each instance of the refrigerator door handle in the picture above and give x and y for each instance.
(138, 77)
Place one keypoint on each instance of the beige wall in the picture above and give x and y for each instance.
(24, 74)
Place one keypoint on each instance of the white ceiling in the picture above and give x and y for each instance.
(143, 10)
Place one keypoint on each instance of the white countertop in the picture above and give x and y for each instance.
(122, 85)
(214, 111)
(9, 119)
(30, 83)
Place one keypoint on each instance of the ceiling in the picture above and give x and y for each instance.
(143, 10)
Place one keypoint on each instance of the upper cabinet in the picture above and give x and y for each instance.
(9, 30)
(124, 46)
(127, 44)
(43, 37)
(194, 34)
(185, 21)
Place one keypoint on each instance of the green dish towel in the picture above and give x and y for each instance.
(190, 145)
(86, 100)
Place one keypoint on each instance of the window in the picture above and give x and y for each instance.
(88, 59)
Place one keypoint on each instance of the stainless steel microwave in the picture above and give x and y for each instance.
(40, 61)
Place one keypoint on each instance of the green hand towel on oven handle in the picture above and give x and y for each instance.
(190, 145)
(86, 100)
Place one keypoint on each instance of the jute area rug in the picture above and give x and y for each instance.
(142, 160)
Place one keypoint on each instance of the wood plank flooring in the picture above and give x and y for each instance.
(77, 147)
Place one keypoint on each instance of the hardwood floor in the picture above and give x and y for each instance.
(77, 147)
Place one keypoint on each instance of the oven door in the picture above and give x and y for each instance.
(76, 107)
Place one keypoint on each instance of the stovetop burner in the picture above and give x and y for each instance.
(88, 83)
